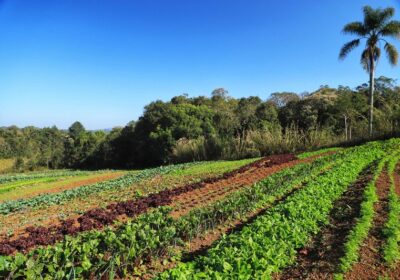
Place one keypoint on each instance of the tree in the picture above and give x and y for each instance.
(76, 129)
(377, 25)
(281, 99)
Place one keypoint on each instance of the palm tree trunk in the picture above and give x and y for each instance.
(371, 94)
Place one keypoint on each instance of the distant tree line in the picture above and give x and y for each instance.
(210, 128)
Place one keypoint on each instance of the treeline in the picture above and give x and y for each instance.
(210, 128)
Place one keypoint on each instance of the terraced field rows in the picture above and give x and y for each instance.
(277, 217)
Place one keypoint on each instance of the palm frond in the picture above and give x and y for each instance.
(356, 28)
(348, 47)
(365, 61)
(386, 14)
(370, 17)
(377, 53)
(391, 53)
(391, 29)
(375, 19)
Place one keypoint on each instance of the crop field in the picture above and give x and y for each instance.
(327, 214)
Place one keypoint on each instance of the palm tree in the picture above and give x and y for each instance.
(377, 25)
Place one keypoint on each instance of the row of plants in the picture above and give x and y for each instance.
(7, 187)
(83, 191)
(391, 250)
(318, 152)
(271, 241)
(97, 218)
(363, 223)
(123, 248)
(45, 174)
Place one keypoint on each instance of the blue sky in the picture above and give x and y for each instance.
(102, 61)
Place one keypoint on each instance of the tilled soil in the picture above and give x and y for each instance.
(320, 258)
(397, 179)
(99, 217)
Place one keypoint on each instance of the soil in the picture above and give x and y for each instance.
(397, 179)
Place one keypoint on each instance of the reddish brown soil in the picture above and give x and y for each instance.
(320, 258)
(396, 176)
(98, 218)
(217, 190)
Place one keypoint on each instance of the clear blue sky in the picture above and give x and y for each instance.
(102, 61)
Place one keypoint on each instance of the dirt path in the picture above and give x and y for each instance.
(397, 179)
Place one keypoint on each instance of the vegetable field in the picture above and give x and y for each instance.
(328, 214)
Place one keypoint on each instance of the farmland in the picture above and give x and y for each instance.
(326, 214)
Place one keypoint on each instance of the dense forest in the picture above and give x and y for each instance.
(210, 128)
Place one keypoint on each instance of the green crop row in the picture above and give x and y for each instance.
(319, 152)
(270, 242)
(391, 250)
(98, 253)
(7, 187)
(58, 198)
(364, 223)
(47, 174)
